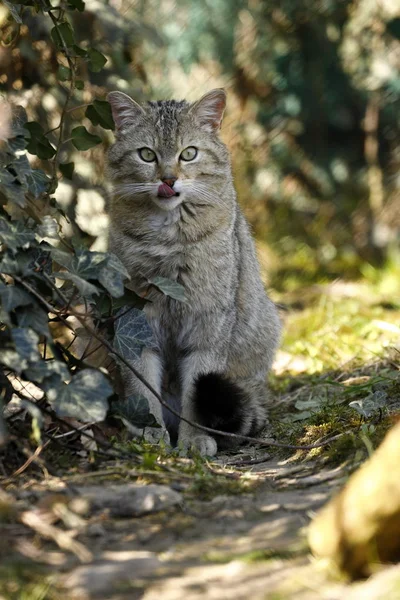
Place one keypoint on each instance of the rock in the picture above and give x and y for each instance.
(361, 525)
(111, 572)
(130, 499)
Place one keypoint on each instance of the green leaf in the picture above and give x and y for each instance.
(37, 182)
(83, 140)
(135, 409)
(170, 288)
(12, 297)
(54, 371)
(79, 52)
(62, 34)
(107, 306)
(11, 188)
(94, 266)
(35, 318)
(37, 143)
(132, 333)
(97, 60)
(78, 4)
(67, 169)
(44, 150)
(64, 73)
(393, 27)
(84, 398)
(14, 235)
(48, 228)
(79, 84)
(34, 128)
(85, 288)
(100, 113)
(11, 359)
(26, 343)
(112, 275)
(371, 404)
(9, 265)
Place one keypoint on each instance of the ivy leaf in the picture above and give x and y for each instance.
(11, 359)
(100, 113)
(26, 343)
(132, 333)
(112, 275)
(85, 288)
(67, 169)
(84, 398)
(97, 266)
(9, 265)
(108, 307)
(371, 404)
(83, 140)
(97, 60)
(48, 228)
(12, 297)
(62, 34)
(135, 409)
(35, 318)
(393, 27)
(78, 4)
(37, 182)
(15, 236)
(44, 150)
(170, 288)
(54, 371)
(11, 188)
(37, 143)
(63, 73)
(34, 128)
(80, 52)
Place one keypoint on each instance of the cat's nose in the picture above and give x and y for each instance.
(169, 181)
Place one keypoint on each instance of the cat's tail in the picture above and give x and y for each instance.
(221, 404)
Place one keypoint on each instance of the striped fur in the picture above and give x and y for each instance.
(200, 239)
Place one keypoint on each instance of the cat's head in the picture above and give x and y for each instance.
(168, 152)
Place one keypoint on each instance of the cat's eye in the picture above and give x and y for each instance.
(147, 154)
(189, 153)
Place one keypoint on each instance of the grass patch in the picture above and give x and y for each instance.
(26, 581)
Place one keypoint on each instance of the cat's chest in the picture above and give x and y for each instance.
(159, 252)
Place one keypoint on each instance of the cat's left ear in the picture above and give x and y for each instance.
(209, 110)
(125, 111)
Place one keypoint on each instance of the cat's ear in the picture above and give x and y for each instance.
(209, 110)
(125, 111)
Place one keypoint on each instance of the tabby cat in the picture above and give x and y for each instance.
(174, 214)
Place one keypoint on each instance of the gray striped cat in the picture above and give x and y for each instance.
(174, 214)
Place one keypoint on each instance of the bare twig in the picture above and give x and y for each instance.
(64, 539)
(30, 460)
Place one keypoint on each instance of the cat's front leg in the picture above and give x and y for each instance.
(149, 365)
(192, 367)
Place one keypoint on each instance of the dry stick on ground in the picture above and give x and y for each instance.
(82, 320)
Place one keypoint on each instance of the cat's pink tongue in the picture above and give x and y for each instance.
(165, 191)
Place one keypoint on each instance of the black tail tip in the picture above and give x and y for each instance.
(219, 402)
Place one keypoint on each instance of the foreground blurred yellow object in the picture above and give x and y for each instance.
(360, 527)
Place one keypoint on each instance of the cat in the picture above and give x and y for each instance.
(174, 214)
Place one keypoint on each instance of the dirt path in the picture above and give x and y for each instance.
(247, 545)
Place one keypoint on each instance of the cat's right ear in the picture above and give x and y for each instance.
(125, 111)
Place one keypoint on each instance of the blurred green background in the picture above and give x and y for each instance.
(312, 120)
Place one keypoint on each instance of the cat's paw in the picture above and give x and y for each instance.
(154, 435)
(203, 444)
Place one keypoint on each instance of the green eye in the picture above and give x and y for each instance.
(147, 154)
(189, 153)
